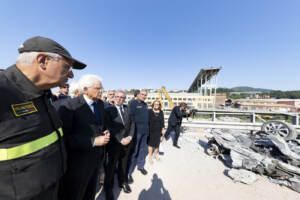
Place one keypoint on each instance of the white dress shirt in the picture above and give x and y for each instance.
(89, 102)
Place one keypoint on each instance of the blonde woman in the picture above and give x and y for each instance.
(156, 129)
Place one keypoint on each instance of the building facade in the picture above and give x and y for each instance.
(193, 100)
(274, 105)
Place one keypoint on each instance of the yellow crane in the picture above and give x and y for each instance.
(163, 90)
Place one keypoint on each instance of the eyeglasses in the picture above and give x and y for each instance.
(98, 88)
(120, 97)
(157, 104)
(68, 68)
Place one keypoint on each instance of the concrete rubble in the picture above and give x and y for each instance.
(261, 153)
(242, 175)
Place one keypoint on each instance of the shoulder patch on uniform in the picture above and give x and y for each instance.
(23, 108)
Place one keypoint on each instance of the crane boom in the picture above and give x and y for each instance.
(163, 90)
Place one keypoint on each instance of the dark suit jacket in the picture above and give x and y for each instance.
(115, 125)
(176, 115)
(80, 125)
(107, 104)
(60, 96)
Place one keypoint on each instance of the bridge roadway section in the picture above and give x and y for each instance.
(213, 122)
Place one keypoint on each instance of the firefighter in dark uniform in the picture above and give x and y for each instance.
(32, 154)
(140, 112)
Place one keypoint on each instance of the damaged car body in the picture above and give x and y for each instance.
(271, 152)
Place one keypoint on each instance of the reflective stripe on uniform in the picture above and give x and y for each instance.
(30, 147)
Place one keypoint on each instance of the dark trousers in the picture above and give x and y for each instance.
(51, 193)
(32, 177)
(80, 181)
(139, 153)
(176, 128)
(20, 191)
(116, 153)
(79, 187)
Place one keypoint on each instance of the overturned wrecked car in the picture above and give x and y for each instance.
(274, 151)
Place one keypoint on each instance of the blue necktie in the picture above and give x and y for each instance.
(97, 112)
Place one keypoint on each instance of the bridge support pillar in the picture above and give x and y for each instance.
(253, 118)
(214, 116)
(296, 120)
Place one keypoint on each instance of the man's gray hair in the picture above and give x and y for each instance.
(25, 59)
(73, 87)
(88, 80)
(121, 91)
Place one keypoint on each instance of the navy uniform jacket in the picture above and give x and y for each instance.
(176, 115)
(140, 112)
(26, 114)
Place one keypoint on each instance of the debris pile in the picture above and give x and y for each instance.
(260, 152)
(242, 175)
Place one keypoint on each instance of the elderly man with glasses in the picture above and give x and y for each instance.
(85, 136)
(32, 153)
(121, 126)
(110, 98)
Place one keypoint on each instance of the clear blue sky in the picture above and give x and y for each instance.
(150, 43)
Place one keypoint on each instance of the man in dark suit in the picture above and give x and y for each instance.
(85, 137)
(135, 94)
(110, 98)
(119, 121)
(62, 94)
(175, 120)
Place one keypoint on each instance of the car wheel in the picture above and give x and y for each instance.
(279, 128)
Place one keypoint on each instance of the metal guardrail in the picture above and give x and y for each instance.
(213, 122)
(226, 125)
